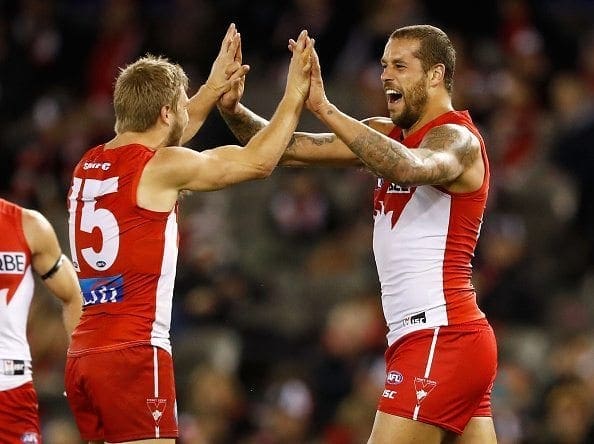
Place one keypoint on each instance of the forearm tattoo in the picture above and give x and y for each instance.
(392, 160)
(379, 154)
(244, 125)
(307, 139)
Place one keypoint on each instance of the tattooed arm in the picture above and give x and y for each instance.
(303, 148)
(323, 149)
(242, 122)
(449, 155)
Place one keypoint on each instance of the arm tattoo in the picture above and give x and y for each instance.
(383, 157)
(313, 139)
(393, 161)
(318, 140)
(244, 125)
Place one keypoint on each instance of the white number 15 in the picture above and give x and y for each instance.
(92, 218)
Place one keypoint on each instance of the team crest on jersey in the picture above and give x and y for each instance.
(423, 387)
(157, 407)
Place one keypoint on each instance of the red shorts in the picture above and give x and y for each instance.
(442, 376)
(123, 395)
(19, 415)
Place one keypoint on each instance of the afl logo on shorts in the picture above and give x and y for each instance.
(394, 378)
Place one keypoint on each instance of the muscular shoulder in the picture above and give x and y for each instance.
(34, 221)
(169, 159)
(38, 231)
(382, 124)
(460, 153)
(457, 139)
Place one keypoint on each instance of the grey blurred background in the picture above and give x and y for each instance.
(277, 331)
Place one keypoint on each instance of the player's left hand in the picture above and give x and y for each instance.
(231, 98)
(227, 70)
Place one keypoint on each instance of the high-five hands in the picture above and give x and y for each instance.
(227, 70)
(298, 77)
(317, 94)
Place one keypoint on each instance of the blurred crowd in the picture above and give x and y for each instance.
(278, 333)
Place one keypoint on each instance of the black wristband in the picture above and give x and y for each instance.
(53, 270)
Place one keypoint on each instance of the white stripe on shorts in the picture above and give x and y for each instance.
(156, 382)
(428, 368)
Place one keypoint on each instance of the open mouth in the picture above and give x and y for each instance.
(393, 96)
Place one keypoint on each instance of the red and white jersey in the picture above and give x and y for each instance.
(16, 292)
(125, 256)
(424, 241)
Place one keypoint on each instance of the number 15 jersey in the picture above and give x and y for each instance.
(125, 256)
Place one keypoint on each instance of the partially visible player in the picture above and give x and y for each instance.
(123, 205)
(28, 243)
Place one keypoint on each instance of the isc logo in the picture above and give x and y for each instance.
(420, 318)
(390, 394)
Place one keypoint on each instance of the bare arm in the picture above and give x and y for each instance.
(327, 149)
(444, 155)
(177, 168)
(243, 123)
(48, 261)
(225, 71)
(303, 148)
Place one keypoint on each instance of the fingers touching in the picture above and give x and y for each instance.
(227, 68)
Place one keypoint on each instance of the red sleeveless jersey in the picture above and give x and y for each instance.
(16, 284)
(424, 241)
(125, 256)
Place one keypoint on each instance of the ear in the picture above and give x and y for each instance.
(165, 114)
(437, 74)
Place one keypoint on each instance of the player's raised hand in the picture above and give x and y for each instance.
(229, 100)
(298, 76)
(227, 68)
(317, 93)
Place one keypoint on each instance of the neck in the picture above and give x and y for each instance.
(152, 139)
(435, 108)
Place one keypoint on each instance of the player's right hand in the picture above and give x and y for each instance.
(317, 94)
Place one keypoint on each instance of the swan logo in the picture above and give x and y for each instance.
(423, 387)
(156, 408)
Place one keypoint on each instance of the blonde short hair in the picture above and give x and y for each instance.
(143, 88)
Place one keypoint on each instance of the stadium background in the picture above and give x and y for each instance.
(277, 330)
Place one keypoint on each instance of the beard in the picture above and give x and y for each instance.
(414, 104)
(175, 134)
